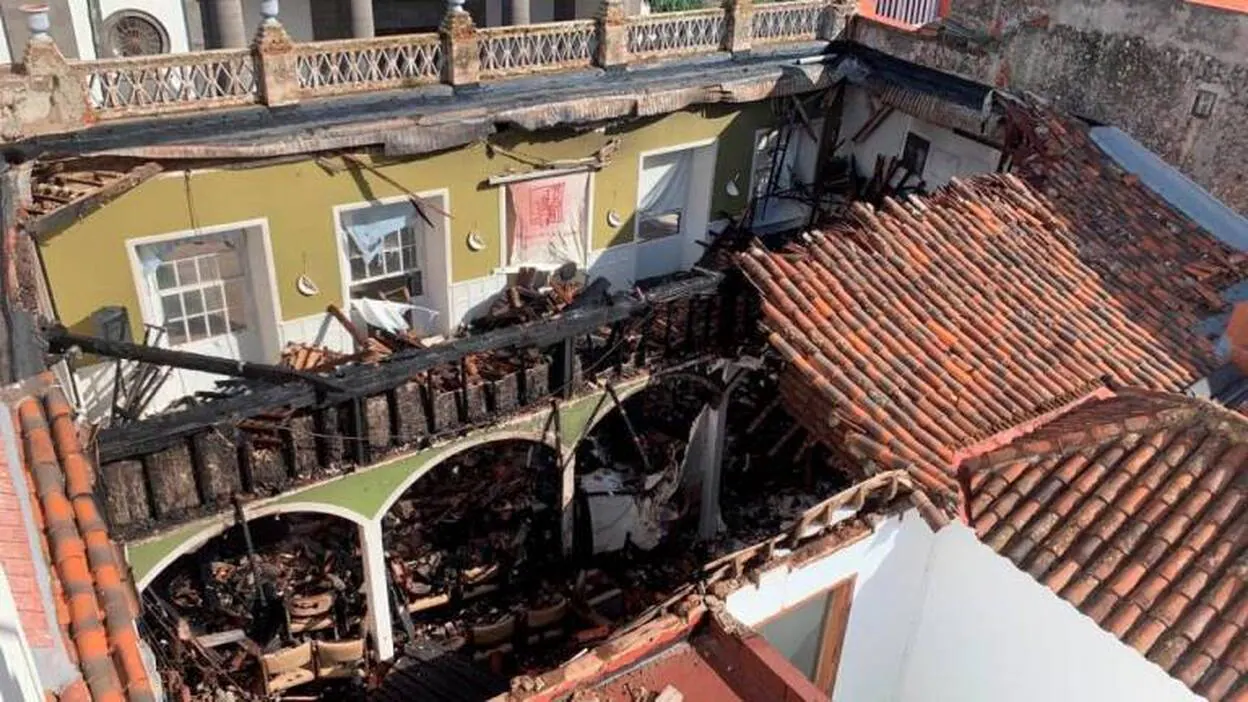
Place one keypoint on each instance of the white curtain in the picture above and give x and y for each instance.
(369, 227)
(665, 182)
(394, 316)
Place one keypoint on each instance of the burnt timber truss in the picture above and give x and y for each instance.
(277, 436)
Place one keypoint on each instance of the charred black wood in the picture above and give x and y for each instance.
(61, 340)
(153, 434)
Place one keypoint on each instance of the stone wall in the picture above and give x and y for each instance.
(1136, 65)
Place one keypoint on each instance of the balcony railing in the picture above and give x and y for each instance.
(273, 438)
(127, 87)
(907, 14)
(787, 21)
(53, 95)
(553, 46)
(677, 33)
(353, 65)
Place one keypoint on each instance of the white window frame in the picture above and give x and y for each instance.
(267, 326)
(438, 298)
(792, 156)
(202, 286)
(418, 246)
(712, 142)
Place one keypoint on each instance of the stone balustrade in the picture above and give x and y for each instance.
(48, 94)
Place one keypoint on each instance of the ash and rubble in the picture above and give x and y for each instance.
(473, 549)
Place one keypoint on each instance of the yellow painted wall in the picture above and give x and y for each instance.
(89, 267)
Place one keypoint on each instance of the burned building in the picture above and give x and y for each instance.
(401, 370)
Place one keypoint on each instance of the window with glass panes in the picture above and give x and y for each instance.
(201, 295)
(396, 265)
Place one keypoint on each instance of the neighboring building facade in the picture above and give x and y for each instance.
(1172, 73)
(90, 29)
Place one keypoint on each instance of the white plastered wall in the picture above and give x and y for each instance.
(942, 617)
(950, 155)
(19, 678)
(888, 592)
(989, 631)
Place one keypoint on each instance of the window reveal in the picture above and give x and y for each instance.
(665, 194)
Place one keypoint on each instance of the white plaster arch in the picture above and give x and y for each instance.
(221, 523)
(458, 448)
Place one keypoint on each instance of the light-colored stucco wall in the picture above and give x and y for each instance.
(950, 155)
(888, 590)
(939, 617)
(990, 632)
(88, 265)
(19, 679)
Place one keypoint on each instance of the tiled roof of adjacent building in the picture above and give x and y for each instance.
(94, 603)
(917, 332)
(1147, 251)
(1133, 509)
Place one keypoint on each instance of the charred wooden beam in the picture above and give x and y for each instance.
(64, 216)
(61, 340)
(155, 433)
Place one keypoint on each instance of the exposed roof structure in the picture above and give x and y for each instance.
(94, 603)
(1132, 508)
(918, 332)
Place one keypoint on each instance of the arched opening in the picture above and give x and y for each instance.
(473, 551)
(271, 606)
(634, 487)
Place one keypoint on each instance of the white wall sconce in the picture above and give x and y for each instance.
(614, 219)
(731, 187)
(475, 242)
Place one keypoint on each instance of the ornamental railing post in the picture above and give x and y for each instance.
(47, 95)
(612, 36)
(740, 16)
(274, 52)
(461, 52)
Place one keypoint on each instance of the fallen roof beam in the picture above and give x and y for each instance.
(61, 340)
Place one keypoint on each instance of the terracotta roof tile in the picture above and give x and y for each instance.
(1154, 549)
(89, 581)
(919, 331)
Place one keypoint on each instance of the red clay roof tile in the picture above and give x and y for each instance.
(1161, 566)
(93, 600)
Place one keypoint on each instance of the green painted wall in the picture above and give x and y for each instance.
(366, 492)
(88, 264)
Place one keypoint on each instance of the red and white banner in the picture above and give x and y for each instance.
(546, 220)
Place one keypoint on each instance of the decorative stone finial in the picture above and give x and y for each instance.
(37, 21)
(268, 10)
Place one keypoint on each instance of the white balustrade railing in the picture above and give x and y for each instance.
(122, 87)
(788, 21)
(153, 85)
(677, 33)
(353, 65)
(532, 48)
(914, 13)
